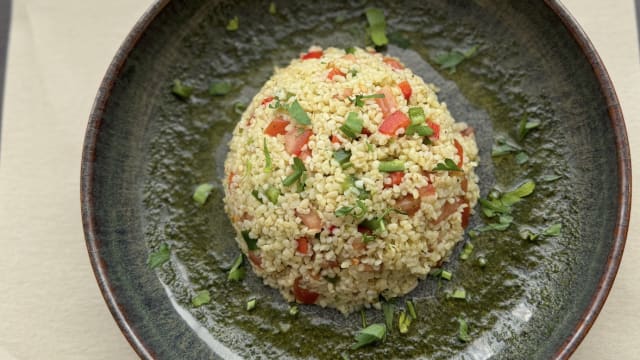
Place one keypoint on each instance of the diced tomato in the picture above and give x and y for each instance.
(464, 184)
(395, 179)
(392, 123)
(350, 57)
(335, 71)
(466, 213)
(304, 154)
(427, 190)
(267, 100)
(296, 139)
(312, 55)
(230, 179)
(303, 245)
(303, 295)
(436, 130)
(448, 209)
(276, 127)
(312, 220)
(460, 152)
(393, 63)
(408, 204)
(405, 87)
(388, 103)
(255, 259)
(335, 139)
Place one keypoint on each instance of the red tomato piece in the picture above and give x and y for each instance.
(267, 100)
(312, 55)
(388, 103)
(335, 71)
(312, 220)
(405, 87)
(335, 139)
(436, 130)
(303, 295)
(255, 259)
(466, 213)
(448, 209)
(392, 123)
(395, 177)
(428, 190)
(460, 152)
(408, 204)
(296, 139)
(393, 63)
(276, 127)
(303, 245)
(230, 179)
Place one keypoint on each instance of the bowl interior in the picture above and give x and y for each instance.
(146, 152)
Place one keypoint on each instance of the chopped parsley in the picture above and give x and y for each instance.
(403, 322)
(377, 26)
(524, 126)
(202, 297)
(553, 230)
(391, 166)
(411, 309)
(358, 99)
(369, 335)
(293, 310)
(466, 251)
(252, 243)
(352, 126)
(298, 171)
(236, 273)
(298, 114)
(159, 256)
(521, 158)
(502, 147)
(272, 194)
(219, 88)
(180, 90)
(342, 156)
(387, 310)
(233, 24)
(239, 107)
(447, 165)
(500, 206)
(350, 50)
(463, 331)
(359, 213)
(452, 59)
(460, 294)
(202, 192)
(267, 157)
(446, 274)
(251, 304)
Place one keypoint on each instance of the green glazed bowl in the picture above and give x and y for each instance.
(146, 150)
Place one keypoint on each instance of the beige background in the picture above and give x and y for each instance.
(50, 305)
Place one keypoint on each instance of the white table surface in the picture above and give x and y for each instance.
(50, 304)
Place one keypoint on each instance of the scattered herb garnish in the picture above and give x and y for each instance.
(553, 230)
(273, 194)
(369, 335)
(180, 90)
(352, 126)
(482, 261)
(403, 322)
(272, 8)
(239, 108)
(267, 157)
(391, 166)
(458, 294)
(387, 310)
(202, 192)
(298, 170)
(256, 194)
(521, 158)
(236, 273)
(550, 178)
(417, 126)
(446, 275)
(358, 99)
(377, 26)
(448, 165)
(233, 24)
(501, 206)
(298, 114)
(252, 244)
(202, 297)
(251, 304)
(219, 88)
(342, 156)
(350, 50)
(293, 310)
(466, 251)
(360, 210)
(463, 331)
(363, 318)
(159, 256)
(353, 72)
(525, 126)
(502, 147)
(452, 59)
(344, 356)
(412, 309)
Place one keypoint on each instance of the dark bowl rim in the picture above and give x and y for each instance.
(623, 159)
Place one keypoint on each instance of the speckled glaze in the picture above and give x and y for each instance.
(145, 150)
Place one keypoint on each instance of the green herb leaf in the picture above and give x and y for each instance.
(369, 335)
(377, 26)
(411, 309)
(272, 8)
(233, 24)
(293, 310)
(466, 251)
(421, 130)
(391, 166)
(298, 170)
(239, 107)
(252, 244)
(159, 256)
(417, 116)
(497, 227)
(342, 156)
(550, 178)
(343, 211)
(503, 149)
(521, 158)
(273, 193)
(180, 90)
(219, 88)
(527, 234)
(352, 126)
(553, 230)
(256, 194)
(525, 126)
(446, 275)
(267, 157)
(202, 297)
(298, 114)
(251, 304)
(350, 50)
(463, 331)
(458, 294)
(358, 99)
(452, 59)
(363, 317)
(482, 261)
(448, 165)
(236, 273)
(387, 310)
(514, 196)
(202, 192)
(403, 322)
